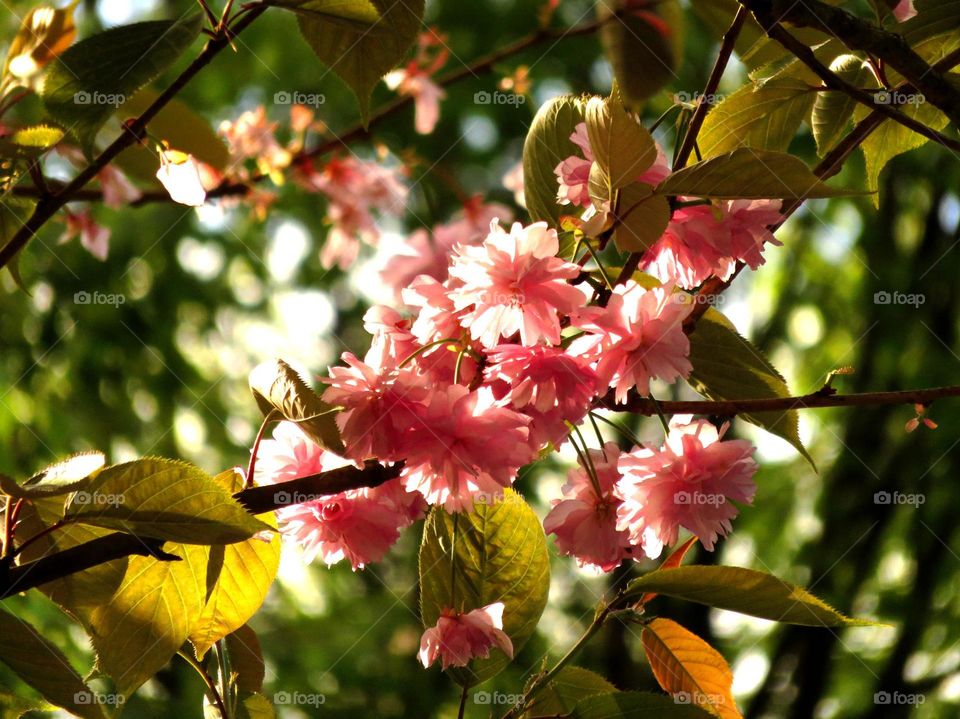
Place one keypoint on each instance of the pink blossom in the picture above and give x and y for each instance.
(637, 337)
(573, 176)
(426, 96)
(180, 176)
(544, 383)
(118, 191)
(514, 283)
(459, 637)
(252, 136)
(462, 444)
(581, 138)
(380, 404)
(391, 331)
(513, 181)
(358, 525)
(95, 238)
(749, 222)
(585, 519)
(689, 482)
(904, 10)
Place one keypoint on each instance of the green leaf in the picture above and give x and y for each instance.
(650, 38)
(360, 57)
(63, 477)
(547, 145)
(14, 213)
(727, 366)
(276, 386)
(641, 705)
(621, 146)
(14, 707)
(357, 14)
(765, 116)
(179, 125)
(149, 617)
(163, 499)
(44, 667)
(37, 137)
(749, 174)
(891, 138)
(561, 696)
(255, 706)
(745, 591)
(241, 575)
(498, 553)
(833, 109)
(644, 217)
(87, 83)
(932, 32)
(246, 659)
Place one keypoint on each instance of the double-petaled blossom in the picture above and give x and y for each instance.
(415, 81)
(691, 482)
(548, 385)
(585, 519)
(514, 283)
(459, 637)
(462, 444)
(95, 238)
(179, 174)
(359, 525)
(637, 337)
(708, 240)
(380, 401)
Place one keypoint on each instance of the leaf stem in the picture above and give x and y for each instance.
(212, 693)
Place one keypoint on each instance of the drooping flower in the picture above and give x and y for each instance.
(585, 519)
(904, 10)
(94, 237)
(514, 283)
(180, 176)
(573, 176)
(691, 482)
(358, 525)
(462, 443)
(459, 637)
(544, 383)
(380, 404)
(118, 191)
(637, 337)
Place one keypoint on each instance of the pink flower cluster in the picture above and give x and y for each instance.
(620, 506)
(459, 637)
(478, 383)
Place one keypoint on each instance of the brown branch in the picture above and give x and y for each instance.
(48, 205)
(359, 131)
(858, 34)
(825, 397)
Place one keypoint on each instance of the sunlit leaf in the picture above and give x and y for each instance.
(63, 477)
(547, 144)
(561, 696)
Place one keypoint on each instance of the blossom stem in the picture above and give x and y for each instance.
(600, 267)
(660, 414)
(463, 703)
(621, 429)
(430, 345)
(212, 691)
(585, 460)
(272, 416)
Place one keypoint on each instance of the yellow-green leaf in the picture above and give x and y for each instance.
(635, 705)
(833, 109)
(561, 696)
(546, 145)
(44, 33)
(644, 215)
(742, 590)
(621, 145)
(163, 499)
(63, 477)
(689, 668)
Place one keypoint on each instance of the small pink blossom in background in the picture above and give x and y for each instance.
(585, 521)
(658, 171)
(380, 404)
(544, 383)
(462, 444)
(459, 637)
(179, 174)
(637, 337)
(428, 253)
(514, 283)
(691, 482)
(414, 80)
(708, 240)
(513, 181)
(94, 238)
(904, 10)
(118, 191)
(358, 525)
(251, 136)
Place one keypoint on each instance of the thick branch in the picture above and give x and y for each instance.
(50, 204)
(825, 397)
(861, 35)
